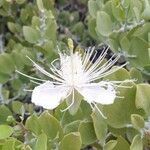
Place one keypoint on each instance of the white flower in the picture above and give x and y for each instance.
(77, 73)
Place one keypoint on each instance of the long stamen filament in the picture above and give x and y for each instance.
(100, 111)
(107, 73)
(98, 62)
(44, 71)
(30, 76)
(105, 66)
(71, 102)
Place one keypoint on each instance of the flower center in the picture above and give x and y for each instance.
(72, 70)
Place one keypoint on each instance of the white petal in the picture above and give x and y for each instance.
(48, 95)
(97, 93)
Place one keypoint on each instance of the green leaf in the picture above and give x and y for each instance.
(73, 110)
(117, 10)
(110, 145)
(49, 125)
(4, 77)
(40, 5)
(72, 127)
(51, 29)
(93, 8)
(33, 125)
(20, 1)
(91, 27)
(142, 31)
(103, 23)
(9, 145)
(71, 141)
(122, 144)
(125, 43)
(31, 35)
(17, 107)
(5, 131)
(142, 97)
(12, 27)
(137, 143)
(146, 12)
(1, 2)
(138, 48)
(131, 133)
(136, 8)
(136, 74)
(119, 144)
(116, 113)
(146, 71)
(4, 113)
(49, 5)
(120, 75)
(87, 132)
(6, 63)
(100, 126)
(84, 112)
(41, 143)
(18, 59)
(137, 121)
(107, 8)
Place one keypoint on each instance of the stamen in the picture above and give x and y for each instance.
(107, 73)
(70, 104)
(56, 73)
(98, 62)
(125, 81)
(44, 71)
(91, 62)
(55, 70)
(26, 90)
(30, 76)
(123, 86)
(88, 55)
(105, 66)
(35, 82)
(108, 64)
(121, 97)
(85, 54)
(100, 111)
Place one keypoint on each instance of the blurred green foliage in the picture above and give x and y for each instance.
(35, 28)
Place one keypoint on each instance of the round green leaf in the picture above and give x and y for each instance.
(118, 10)
(33, 125)
(49, 125)
(136, 74)
(40, 5)
(87, 132)
(137, 121)
(138, 48)
(103, 23)
(4, 113)
(6, 63)
(31, 35)
(110, 145)
(17, 107)
(41, 143)
(142, 97)
(122, 144)
(4, 77)
(5, 131)
(72, 127)
(71, 141)
(93, 8)
(100, 126)
(116, 113)
(73, 110)
(137, 143)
